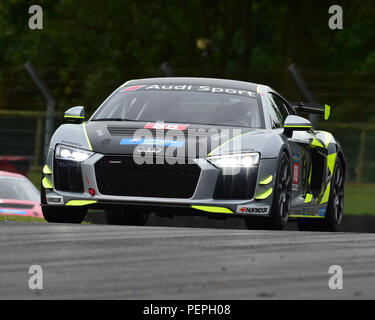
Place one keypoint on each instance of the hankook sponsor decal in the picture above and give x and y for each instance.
(51, 199)
(253, 210)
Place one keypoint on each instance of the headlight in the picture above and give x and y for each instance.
(243, 160)
(72, 153)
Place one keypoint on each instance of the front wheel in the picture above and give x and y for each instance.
(63, 214)
(126, 217)
(281, 200)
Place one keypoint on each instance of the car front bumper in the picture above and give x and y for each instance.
(201, 202)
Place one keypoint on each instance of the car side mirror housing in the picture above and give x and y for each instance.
(75, 114)
(296, 123)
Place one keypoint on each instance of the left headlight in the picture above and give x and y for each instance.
(72, 153)
(243, 160)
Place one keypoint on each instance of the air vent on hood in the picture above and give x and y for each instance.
(129, 132)
(121, 131)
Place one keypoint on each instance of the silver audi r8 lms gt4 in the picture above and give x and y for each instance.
(195, 146)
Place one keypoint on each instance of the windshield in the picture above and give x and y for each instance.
(18, 189)
(227, 107)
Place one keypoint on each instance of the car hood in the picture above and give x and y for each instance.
(128, 138)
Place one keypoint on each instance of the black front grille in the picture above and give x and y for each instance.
(121, 176)
(68, 176)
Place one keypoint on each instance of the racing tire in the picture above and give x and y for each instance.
(125, 217)
(335, 206)
(63, 214)
(42, 193)
(282, 193)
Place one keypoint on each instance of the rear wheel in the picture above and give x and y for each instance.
(335, 207)
(126, 217)
(63, 214)
(281, 200)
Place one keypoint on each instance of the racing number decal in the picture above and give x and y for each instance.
(164, 126)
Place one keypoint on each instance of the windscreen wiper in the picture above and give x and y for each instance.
(109, 119)
(113, 119)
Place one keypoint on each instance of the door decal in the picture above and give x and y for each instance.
(296, 165)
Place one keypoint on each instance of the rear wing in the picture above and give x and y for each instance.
(312, 108)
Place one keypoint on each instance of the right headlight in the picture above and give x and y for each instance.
(71, 153)
(242, 160)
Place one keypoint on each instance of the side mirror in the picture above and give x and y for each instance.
(296, 123)
(75, 114)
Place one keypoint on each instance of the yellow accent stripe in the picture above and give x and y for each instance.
(46, 183)
(297, 126)
(308, 197)
(264, 195)
(316, 143)
(326, 194)
(327, 111)
(213, 151)
(47, 170)
(87, 137)
(76, 117)
(80, 202)
(213, 209)
(302, 216)
(331, 159)
(258, 89)
(267, 180)
(310, 175)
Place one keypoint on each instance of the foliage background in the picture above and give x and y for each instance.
(89, 47)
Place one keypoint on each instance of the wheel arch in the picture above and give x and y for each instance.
(285, 149)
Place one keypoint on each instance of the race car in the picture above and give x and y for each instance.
(18, 196)
(196, 146)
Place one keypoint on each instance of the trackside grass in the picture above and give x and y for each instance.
(359, 199)
(21, 219)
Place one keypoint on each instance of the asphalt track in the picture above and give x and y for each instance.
(158, 262)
